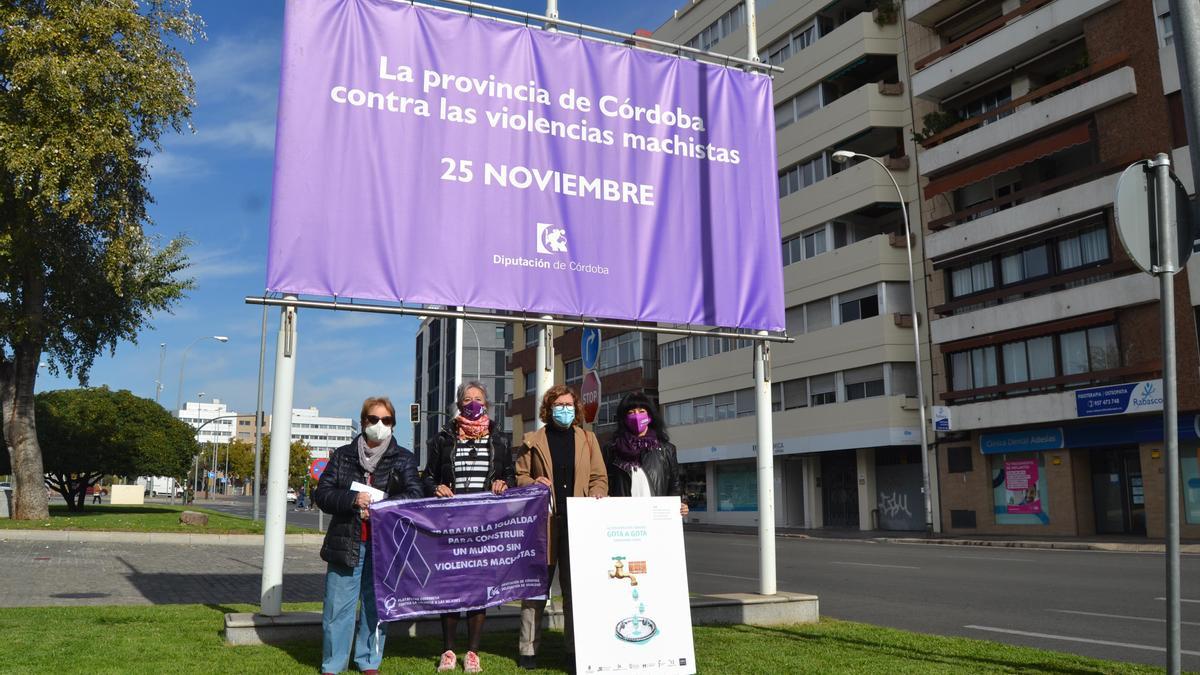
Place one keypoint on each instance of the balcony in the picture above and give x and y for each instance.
(1066, 101)
(931, 12)
(835, 52)
(873, 422)
(1000, 45)
(843, 269)
(1122, 291)
(1085, 194)
(854, 188)
(847, 117)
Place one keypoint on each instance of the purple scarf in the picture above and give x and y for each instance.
(629, 448)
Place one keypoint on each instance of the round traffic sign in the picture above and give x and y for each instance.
(589, 396)
(590, 347)
(1135, 212)
(317, 466)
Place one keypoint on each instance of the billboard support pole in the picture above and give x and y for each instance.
(544, 368)
(277, 465)
(258, 417)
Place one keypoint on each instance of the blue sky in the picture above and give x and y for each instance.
(214, 186)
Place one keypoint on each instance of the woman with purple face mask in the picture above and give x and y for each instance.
(640, 458)
(468, 455)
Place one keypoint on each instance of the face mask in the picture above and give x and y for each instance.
(377, 432)
(564, 415)
(473, 410)
(637, 422)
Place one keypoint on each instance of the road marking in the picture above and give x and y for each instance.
(1182, 600)
(1120, 616)
(982, 557)
(1065, 638)
(725, 576)
(899, 567)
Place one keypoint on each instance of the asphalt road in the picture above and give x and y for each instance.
(1102, 604)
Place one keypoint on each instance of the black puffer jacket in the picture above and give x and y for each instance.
(660, 465)
(440, 469)
(396, 475)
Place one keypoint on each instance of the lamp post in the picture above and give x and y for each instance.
(158, 384)
(183, 362)
(478, 351)
(841, 157)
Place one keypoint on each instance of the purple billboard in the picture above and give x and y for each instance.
(426, 156)
(461, 553)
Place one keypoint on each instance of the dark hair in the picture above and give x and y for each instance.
(639, 399)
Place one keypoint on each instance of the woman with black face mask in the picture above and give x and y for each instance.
(640, 459)
(468, 455)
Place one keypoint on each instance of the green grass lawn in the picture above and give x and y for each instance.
(187, 639)
(147, 518)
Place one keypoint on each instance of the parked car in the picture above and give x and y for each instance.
(291, 495)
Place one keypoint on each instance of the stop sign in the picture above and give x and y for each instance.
(590, 396)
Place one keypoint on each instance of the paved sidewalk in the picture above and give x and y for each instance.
(1125, 544)
(38, 573)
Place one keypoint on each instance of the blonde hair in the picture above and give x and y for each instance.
(373, 401)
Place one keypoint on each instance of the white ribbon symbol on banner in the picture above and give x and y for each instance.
(408, 556)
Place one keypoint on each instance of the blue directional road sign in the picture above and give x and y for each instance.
(590, 347)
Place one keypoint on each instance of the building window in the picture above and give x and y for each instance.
(822, 389)
(703, 410)
(1026, 360)
(986, 104)
(1085, 248)
(1090, 350)
(795, 394)
(531, 383)
(1162, 16)
(903, 379)
(607, 412)
(574, 372)
(725, 405)
(745, 402)
(972, 279)
(1025, 264)
(973, 369)
(799, 38)
(724, 25)
(863, 382)
(673, 353)
(817, 315)
(803, 174)
(531, 334)
(798, 107)
(862, 303)
(737, 486)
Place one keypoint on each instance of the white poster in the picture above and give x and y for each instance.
(629, 582)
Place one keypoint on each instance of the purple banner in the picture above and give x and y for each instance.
(426, 156)
(460, 553)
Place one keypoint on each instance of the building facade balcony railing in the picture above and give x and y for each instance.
(1144, 370)
(980, 33)
(1041, 189)
(1039, 286)
(1038, 95)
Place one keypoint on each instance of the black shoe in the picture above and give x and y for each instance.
(527, 662)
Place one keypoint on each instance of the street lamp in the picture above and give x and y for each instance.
(841, 157)
(183, 362)
(158, 384)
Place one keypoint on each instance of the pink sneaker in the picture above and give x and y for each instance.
(448, 663)
(471, 665)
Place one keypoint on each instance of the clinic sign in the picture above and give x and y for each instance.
(1037, 440)
(427, 156)
(1120, 399)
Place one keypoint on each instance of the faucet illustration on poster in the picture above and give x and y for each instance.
(633, 611)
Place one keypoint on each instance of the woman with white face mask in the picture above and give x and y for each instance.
(565, 457)
(469, 455)
(372, 458)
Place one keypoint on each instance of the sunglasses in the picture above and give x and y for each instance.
(389, 420)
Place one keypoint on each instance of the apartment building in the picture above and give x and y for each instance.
(213, 420)
(482, 354)
(847, 440)
(322, 434)
(1028, 111)
(628, 361)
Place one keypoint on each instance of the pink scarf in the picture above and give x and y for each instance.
(472, 429)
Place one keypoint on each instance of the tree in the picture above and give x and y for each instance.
(87, 88)
(241, 460)
(86, 434)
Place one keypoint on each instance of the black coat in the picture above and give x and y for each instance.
(395, 474)
(660, 465)
(440, 468)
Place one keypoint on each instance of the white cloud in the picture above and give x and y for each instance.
(252, 134)
(210, 264)
(167, 165)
